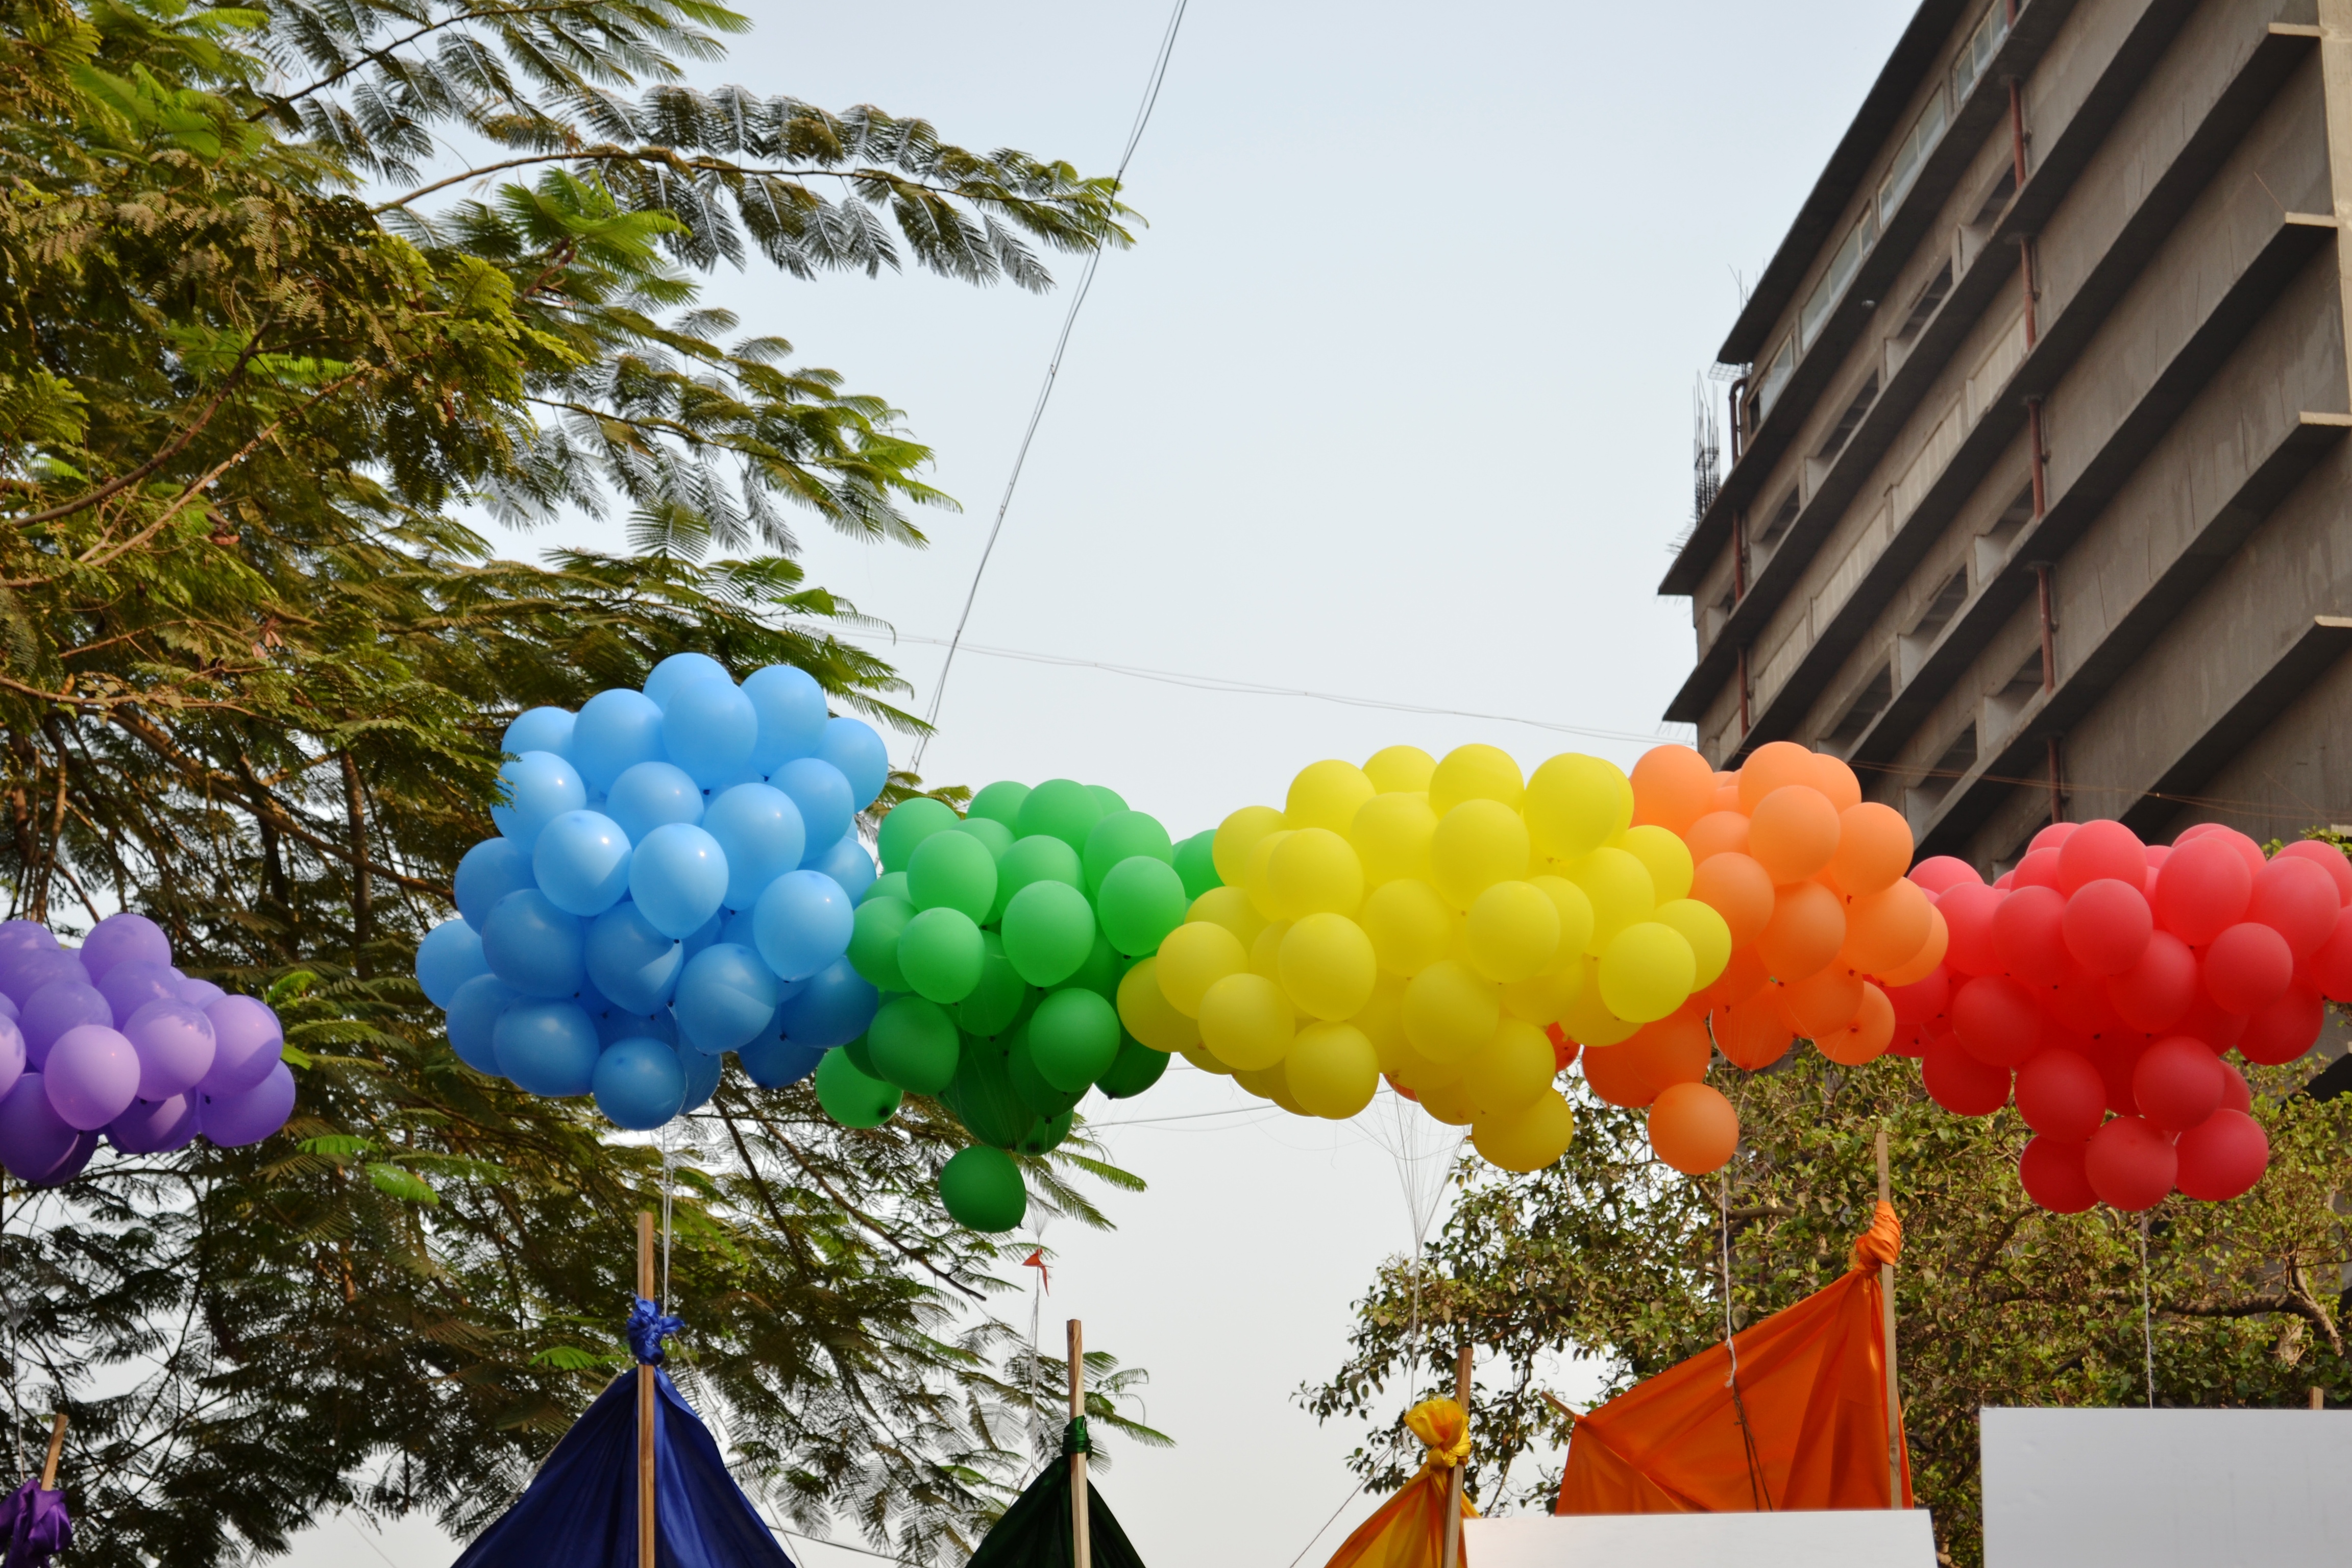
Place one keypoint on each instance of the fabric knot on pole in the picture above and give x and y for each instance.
(1074, 1439)
(1443, 1429)
(1880, 1243)
(648, 1326)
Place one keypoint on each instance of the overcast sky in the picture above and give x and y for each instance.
(1390, 402)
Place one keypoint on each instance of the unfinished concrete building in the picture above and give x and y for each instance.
(2038, 500)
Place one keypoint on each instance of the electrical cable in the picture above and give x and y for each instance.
(1256, 688)
(1053, 371)
(1327, 1524)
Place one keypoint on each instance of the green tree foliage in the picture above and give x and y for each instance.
(1611, 1256)
(264, 353)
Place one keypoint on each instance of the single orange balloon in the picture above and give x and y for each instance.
(1793, 832)
(1614, 1074)
(1823, 1004)
(1882, 929)
(1807, 928)
(1867, 1037)
(1752, 1034)
(1773, 765)
(1734, 886)
(1716, 833)
(1673, 787)
(1727, 793)
(1741, 978)
(1874, 848)
(1694, 1129)
(1670, 1051)
(1922, 964)
(1835, 780)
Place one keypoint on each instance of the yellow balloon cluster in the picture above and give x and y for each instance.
(1428, 921)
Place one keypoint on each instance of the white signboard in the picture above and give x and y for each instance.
(1848, 1538)
(2168, 1488)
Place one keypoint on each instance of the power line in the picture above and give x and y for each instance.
(1052, 370)
(1257, 689)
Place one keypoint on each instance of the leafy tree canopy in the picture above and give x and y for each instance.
(264, 352)
(1611, 1256)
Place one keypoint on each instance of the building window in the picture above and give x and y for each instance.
(1922, 799)
(1912, 155)
(1914, 646)
(1867, 705)
(1976, 55)
(2004, 708)
(1844, 265)
(1778, 524)
(1848, 422)
(1776, 371)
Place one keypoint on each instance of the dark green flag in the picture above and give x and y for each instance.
(1036, 1531)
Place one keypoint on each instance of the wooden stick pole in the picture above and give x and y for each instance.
(1081, 1542)
(1894, 1396)
(57, 1447)
(1453, 1486)
(646, 1397)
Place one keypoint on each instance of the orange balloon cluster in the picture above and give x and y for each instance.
(1810, 879)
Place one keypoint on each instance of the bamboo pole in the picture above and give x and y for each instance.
(645, 1397)
(57, 1447)
(1081, 1541)
(1894, 1396)
(1454, 1485)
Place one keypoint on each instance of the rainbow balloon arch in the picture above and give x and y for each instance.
(679, 878)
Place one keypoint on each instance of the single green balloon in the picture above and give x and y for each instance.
(850, 1097)
(873, 943)
(890, 885)
(1028, 1082)
(1118, 836)
(861, 1056)
(941, 954)
(1073, 1039)
(1196, 865)
(910, 822)
(914, 1044)
(1049, 930)
(1110, 798)
(1039, 860)
(953, 871)
(981, 1189)
(1101, 971)
(999, 802)
(995, 835)
(996, 1001)
(1141, 902)
(1139, 1067)
(982, 1093)
(1045, 1134)
(1063, 809)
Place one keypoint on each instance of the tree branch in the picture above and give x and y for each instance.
(171, 448)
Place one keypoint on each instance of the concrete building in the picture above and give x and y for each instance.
(2041, 499)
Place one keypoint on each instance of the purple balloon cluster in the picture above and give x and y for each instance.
(109, 1039)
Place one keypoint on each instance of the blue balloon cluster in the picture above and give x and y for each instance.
(674, 880)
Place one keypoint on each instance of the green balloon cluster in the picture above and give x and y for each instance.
(998, 940)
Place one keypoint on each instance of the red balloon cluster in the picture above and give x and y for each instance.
(2102, 985)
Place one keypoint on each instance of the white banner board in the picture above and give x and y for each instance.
(2168, 1488)
(1852, 1538)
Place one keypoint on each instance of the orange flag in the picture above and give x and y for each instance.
(1409, 1531)
(1802, 1427)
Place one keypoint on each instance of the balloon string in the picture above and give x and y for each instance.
(2147, 1316)
(1759, 1496)
(666, 1208)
